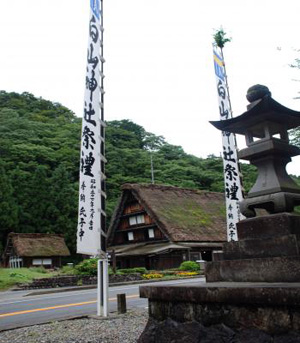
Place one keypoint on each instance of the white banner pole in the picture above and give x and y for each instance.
(91, 232)
(232, 177)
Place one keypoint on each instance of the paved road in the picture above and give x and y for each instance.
(18, 310)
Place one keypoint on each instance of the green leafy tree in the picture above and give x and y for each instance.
(8, 207)
(62, 210)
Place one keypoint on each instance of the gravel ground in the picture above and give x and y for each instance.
(120, 328)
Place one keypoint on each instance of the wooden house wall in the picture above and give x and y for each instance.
(132, 208)
(124, 222)
(140, 231)
(170, 260)
(140, 235)
(56, 261)
(157, 262)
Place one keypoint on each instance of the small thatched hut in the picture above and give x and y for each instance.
(161, 226)
(34, 249)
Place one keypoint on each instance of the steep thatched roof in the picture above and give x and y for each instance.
(182, 214)
(38, 244)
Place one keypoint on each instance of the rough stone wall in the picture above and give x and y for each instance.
(203, 323)
(75, 280)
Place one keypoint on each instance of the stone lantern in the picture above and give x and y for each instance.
(252, 293)
(265, 126)
(268, 248)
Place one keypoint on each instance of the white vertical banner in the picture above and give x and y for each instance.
(232, 179)
(91, 216)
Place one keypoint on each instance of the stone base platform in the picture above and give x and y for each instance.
(268, 250)
(223, 312)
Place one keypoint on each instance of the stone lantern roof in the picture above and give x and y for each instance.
(260, 111)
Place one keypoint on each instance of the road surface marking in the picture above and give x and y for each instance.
(60, 306)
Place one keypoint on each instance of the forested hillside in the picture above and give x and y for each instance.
(39, 165)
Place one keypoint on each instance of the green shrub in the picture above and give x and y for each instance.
(140, 270)
(190, 266)
(87, 267)
(110, 270)
(69, 270)
(15, 274)
(40, 269)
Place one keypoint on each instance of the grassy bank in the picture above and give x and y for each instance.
(11, 277)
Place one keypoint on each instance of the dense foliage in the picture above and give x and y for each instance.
(87, 267)
(39, 149)
(190, 266)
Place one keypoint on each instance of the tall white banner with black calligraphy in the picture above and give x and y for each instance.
(233, 184)
(91, 218)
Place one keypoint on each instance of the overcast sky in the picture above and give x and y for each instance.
(159, 65)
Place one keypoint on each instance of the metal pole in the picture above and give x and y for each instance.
(99, 289)
(152, 170)
(105, 288)
(102, 288)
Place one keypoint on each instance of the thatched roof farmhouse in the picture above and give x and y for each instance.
(34, 249)
(160, 226)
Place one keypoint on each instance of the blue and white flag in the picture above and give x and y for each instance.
(91, 216)
(232, 178)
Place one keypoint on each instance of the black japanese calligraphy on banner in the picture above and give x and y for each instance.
(226, 135)
(88, 140)
(229, 154)
(87, 162)
(222, 90)
(89, 114)
(230, 172)
(224, 112)
(233, 188)
(231, 191)
(91, 84)
(94, 32)
(92, 60)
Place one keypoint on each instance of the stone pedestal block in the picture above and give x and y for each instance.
(269, 226)
(259, 248)
(222, 312)
(267, 251)
(270, 269)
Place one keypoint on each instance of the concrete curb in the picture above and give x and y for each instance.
(85, 287)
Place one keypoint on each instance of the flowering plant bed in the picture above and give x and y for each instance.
(152, 276)
(187, 273)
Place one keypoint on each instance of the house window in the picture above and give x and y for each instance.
(42, 262)
(37, 262)
(130, 236)
(47, 261)
(151, 233)
(134, 220)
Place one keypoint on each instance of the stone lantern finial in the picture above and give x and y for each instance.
(257, 92)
